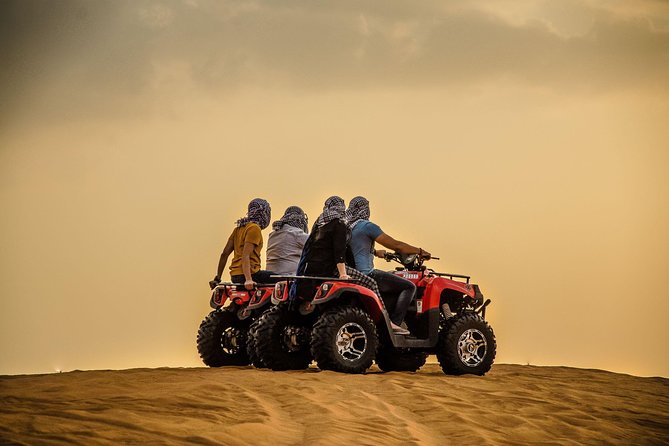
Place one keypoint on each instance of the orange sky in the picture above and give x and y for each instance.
(524, 143)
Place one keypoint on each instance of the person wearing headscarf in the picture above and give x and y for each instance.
(324, 253)
(364, 234)
(246, 242)
(325, 250)
(286, 241)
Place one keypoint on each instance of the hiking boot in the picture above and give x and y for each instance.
(398, 329)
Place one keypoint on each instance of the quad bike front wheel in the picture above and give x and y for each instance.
(344, 339)
(281, 339)
(466, 346)
(221, 339)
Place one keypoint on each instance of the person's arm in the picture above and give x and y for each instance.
(399, 246)
(339, 242)
(229, 247)
(246, 265)
(252, 238)
(339, 248)
(300, 240)
(341, 269)
(380, 253)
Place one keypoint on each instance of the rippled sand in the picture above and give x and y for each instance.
(244, 406)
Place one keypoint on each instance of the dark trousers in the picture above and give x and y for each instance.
(405, 290)
(262, 277)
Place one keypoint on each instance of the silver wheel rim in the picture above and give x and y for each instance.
(472, 347)
(351, 341)
(231, 340)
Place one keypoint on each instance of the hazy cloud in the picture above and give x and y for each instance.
(102, 55)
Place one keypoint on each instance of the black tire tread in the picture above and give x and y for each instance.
(325, 329)
(447, 349)
(251, 348)
(267, 342)
(209, 339)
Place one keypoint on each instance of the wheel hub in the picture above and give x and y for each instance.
(472, 347)
(294, 338)
(231, 340)
(351, 341)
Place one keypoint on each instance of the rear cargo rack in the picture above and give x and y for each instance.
(451, 276)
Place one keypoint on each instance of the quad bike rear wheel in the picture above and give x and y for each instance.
(251, 347)
(221, 339)
(344, 339)
(391, 359)
(281, 339)
(466, 346)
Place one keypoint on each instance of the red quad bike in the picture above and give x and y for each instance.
(281, 335)
(222, 336)
(447, 318)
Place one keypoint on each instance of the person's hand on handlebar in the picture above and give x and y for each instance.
(249, 284)
(382, 253)
(424, 254)
(345, 277)
(214, 283)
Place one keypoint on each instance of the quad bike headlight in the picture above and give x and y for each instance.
(325, 287)
(259, 293)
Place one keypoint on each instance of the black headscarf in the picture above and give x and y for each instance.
(294, 216)
(334, 208)
(259, 212)
(358, 210)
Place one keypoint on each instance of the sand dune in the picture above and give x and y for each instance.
(513, 404)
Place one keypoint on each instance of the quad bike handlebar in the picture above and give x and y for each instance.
(414, 262)
(409, 261)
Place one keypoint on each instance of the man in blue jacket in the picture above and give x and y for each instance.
(364, 234)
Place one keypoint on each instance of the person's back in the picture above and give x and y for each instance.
(363, 236)
(286, 241)
(247, 233)
(284, 247)
(245, 243)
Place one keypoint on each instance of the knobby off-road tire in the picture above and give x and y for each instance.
(281, 339)
(344, 339)
(391, 359)
(221, 339)
(466, 346)
(251, 348)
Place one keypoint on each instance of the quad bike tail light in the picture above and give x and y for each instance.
(277, 295)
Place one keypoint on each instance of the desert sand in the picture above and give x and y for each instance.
(513, 404)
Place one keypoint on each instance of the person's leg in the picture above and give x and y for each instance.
(237, 279)
(363, 279)
(264, 277)
(389, 282)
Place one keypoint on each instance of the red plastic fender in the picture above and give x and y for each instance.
(260, 297)
(329, 291)
(434, 286)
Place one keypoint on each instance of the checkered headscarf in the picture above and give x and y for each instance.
(259, 212)
(358, 210)
(334, 208)
(294, 216)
